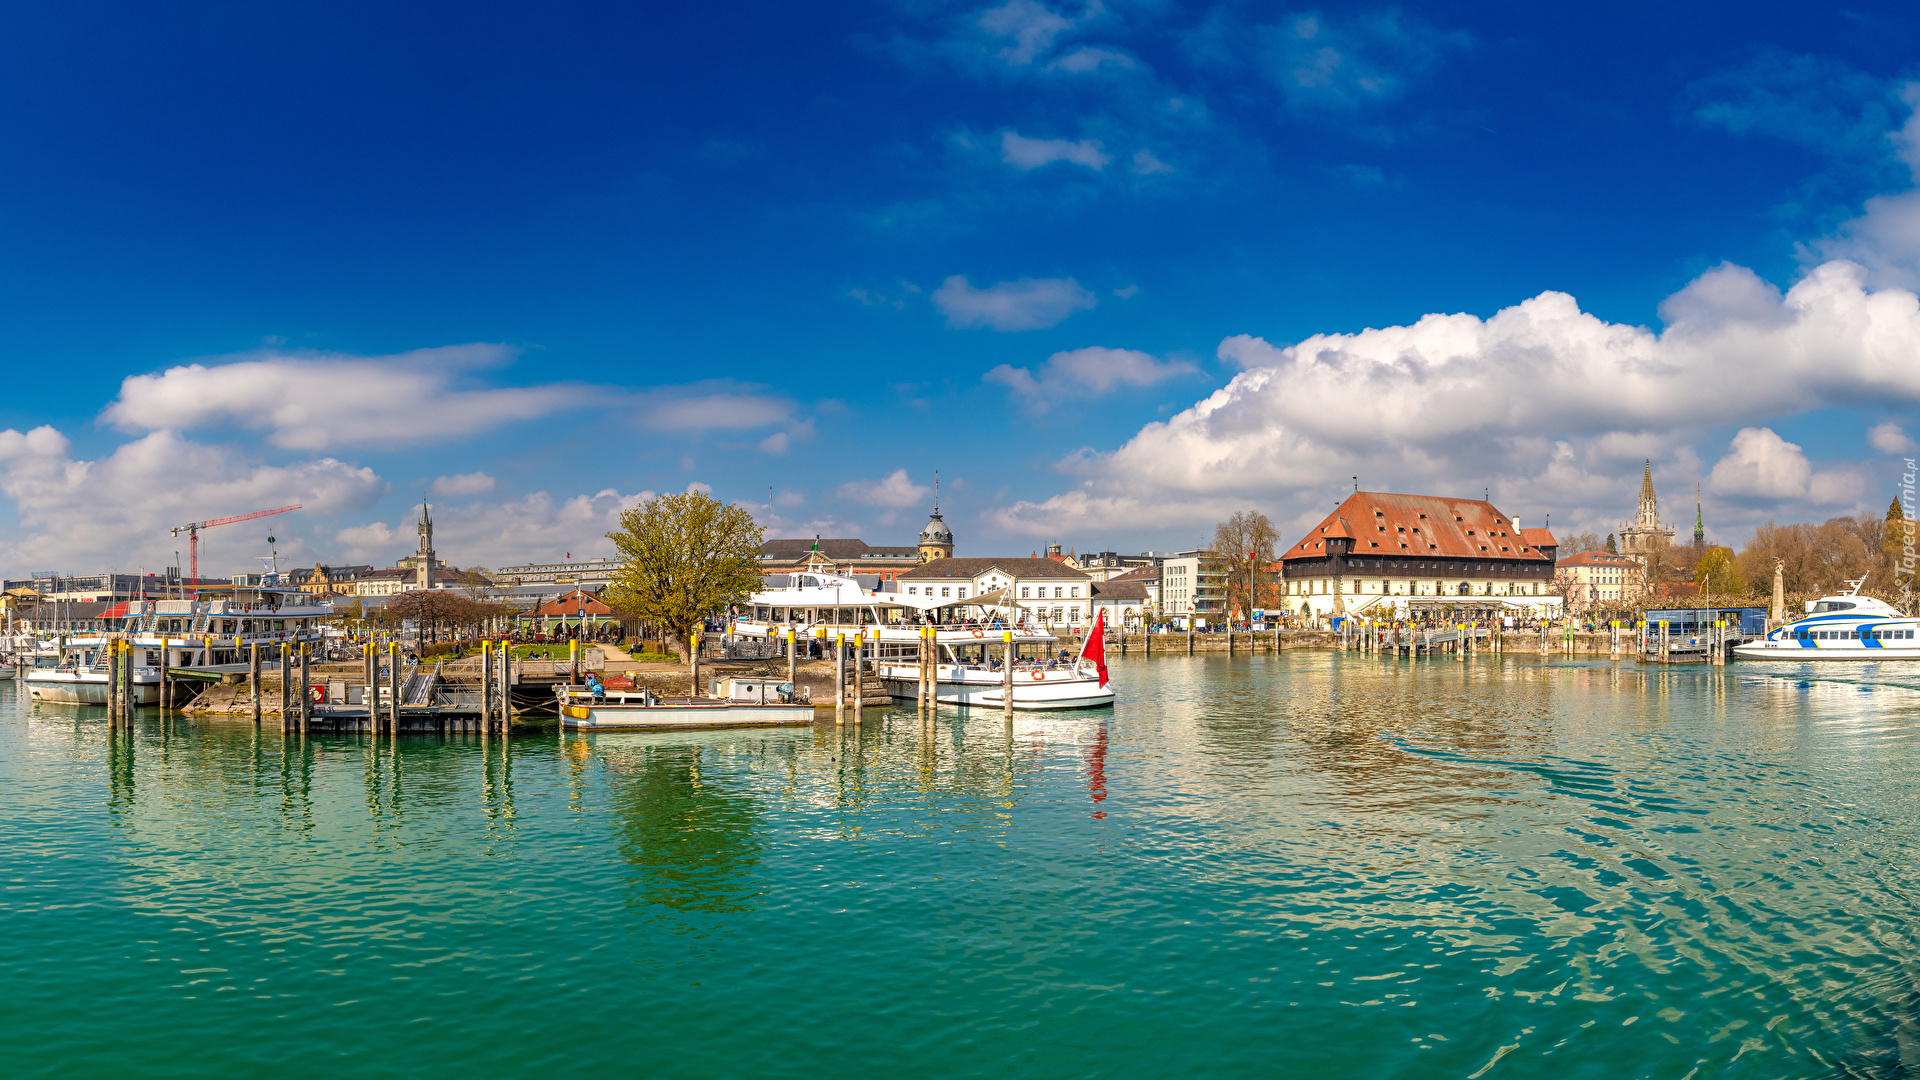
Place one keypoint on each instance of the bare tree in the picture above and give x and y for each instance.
(1242, 549)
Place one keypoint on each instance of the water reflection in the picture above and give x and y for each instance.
(693, 840)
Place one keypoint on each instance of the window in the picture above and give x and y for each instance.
(1075, 591)
(1024, 591)
(946, 592)
(963, 592)
(913, 590)
(1056, 592)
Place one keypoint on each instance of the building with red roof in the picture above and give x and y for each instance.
(1380, 552)
(1599, 577)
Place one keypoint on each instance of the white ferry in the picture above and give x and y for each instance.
(889, 626)
(1844, 627)
(203, 639)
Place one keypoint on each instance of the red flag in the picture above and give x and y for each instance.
(1095, 648)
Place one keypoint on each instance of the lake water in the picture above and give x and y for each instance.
(1309, 865)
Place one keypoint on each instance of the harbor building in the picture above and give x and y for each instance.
(590, 574)
(1598, 577)
(1053, 593)
(1644, 532)
(836, 556)
(1414, 554)
(1193, 589)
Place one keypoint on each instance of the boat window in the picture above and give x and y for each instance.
(1832, 605)
(810, 582)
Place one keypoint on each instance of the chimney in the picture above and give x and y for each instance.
(1516, 528)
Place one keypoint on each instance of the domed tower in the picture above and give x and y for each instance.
(936, 540)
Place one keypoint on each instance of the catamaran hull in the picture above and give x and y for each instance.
(1821, 650)
(720, 714)
(87, 689)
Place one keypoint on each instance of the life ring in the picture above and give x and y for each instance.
(979, 633)
(1039, 674)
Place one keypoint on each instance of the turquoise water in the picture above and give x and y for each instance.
(1310, 865)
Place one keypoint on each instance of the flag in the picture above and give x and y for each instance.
(1096, 647)
(569, 554)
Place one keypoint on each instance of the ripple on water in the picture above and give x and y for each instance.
(1317, 863)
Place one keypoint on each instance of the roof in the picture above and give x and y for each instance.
(1382, 523)
(1019, 566)
(388, 572)
(796, 550)
(568, 603)
(1145, 573)
(1121, 591)
(1595, 558)
(1540, 538)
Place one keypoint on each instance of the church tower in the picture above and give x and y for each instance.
(1699, 522)
(1646, 533)
(423, 559)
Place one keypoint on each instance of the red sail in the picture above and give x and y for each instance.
(1096, 647)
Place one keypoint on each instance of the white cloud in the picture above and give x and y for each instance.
(538, 526)
(1091, 58)
(1889, 438)
(1026, 304)
(316, 401)
(1029, 28)
(1084, 372)
(473, 483)
(1145, 164)
(716, 404)
(895, 489)
(1542, 401)
(1026, 154)
(119, 510)
(1322, 66)
(775, 443)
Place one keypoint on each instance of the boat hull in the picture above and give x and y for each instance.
(85, 688)
(967, 686)
(582, 716)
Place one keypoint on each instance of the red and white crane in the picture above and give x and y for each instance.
(193, 536)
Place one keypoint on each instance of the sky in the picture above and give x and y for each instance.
(1115, 269)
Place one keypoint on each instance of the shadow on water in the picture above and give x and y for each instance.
(692, 840)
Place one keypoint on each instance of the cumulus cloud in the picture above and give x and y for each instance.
(1027, 154)
(1026, 304)
(1540, 400)
(1145, 164)
(317, 401)
(538, 526)
(119, 510)
(895, 489)
(1763, 467)
(1085, 372)
(473, 483)
(1890, 438)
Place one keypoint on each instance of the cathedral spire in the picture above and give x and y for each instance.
(1699, 523)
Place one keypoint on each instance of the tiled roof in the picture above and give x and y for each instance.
(1145, 573)
(1120, 590)
(1539, 537)
(1021, 567)
(1381, 523)
(1594, 558)
(792, 550)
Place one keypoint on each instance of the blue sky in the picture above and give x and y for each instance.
(1115, 269)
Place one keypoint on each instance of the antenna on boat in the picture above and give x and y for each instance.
(1855, 591)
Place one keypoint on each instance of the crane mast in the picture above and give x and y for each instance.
(192, 529)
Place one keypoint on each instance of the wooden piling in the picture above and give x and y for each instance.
(306, 695)
(113, 683)
(839, 676)
(859, 676)
(370, 696)
(393, 688)
(1006, 676)
(166, 698)
(790, 660)
(253, 677)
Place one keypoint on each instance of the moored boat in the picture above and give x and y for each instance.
(748, 703)
(1846, 626)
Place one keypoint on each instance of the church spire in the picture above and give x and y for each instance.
(1699, 523)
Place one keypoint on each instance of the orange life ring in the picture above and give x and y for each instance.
(1039, 674)
(980, 633)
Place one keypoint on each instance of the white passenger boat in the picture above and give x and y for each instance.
(203, 638)
(1844, 627)
(889, 629)
(739, 703)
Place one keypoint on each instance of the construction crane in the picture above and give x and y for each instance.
(193, 536)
